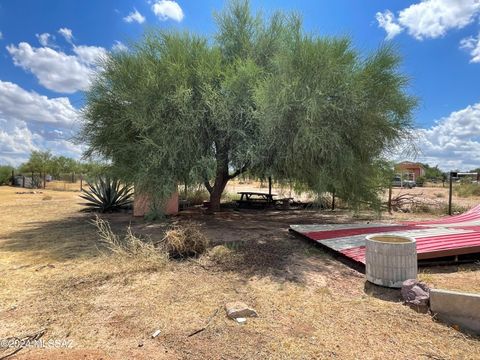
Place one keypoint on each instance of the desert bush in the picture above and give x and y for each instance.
(420, 181)
(184, 240)
(468, 189)
(127, 246)
(197, 195)
(422, 207)
(456, 209)
(5, 175)
(107, 194)
(220, 253)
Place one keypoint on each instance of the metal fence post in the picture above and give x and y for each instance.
(390, 200)
(450, 194)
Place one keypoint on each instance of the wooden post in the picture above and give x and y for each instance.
(390, 200)
(270, 185)
(23, 181)
(450, 194)
(13, 177)
(31, 185)
(333, 200)
(81, 182)
(44, 179)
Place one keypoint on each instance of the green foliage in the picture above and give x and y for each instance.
(107, 195)
(421, 181)
(39, 161)
(468, 189)
(328, 116)
(46, 163)
(261, 96)
(5, 174)
(433, 172)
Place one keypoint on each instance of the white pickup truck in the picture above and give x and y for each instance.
(398, 182)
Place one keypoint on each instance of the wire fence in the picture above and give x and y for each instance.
(60, 182)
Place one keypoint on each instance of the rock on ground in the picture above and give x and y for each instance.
(416, 294)
(239, 309)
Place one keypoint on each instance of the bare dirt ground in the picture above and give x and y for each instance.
(55, 276)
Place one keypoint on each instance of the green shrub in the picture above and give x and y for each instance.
(197, 196)
(420, 181)
(468, 189)
(5, 175)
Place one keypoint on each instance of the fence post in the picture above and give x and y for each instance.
(450, 194)
(81, 182)
(333, 200)
(23, 181)
(13, 177)
(31, 185)
(44, 180)
(390, 200)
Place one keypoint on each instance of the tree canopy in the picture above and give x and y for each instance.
(261, 96)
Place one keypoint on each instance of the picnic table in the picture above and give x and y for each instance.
(255, 197)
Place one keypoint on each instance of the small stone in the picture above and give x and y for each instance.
(416, 294)
(241, 320)
(155, 334)
(239, 309)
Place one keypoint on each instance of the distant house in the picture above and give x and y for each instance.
(410, 170)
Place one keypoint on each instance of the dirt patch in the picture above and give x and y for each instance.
(309, 304)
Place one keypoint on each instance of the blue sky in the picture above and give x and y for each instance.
(48, 50)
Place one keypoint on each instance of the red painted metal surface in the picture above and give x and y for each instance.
(458, 235)
(332, 234)
(432, 247)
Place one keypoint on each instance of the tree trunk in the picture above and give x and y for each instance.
(222, 177)
(221, 180)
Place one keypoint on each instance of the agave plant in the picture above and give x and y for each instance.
(107, 195)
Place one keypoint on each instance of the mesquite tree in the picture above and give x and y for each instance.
(260, 96)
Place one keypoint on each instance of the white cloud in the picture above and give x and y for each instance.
(386, 20)
(1, 35)
(454, 141)
(89, 55)
(168, 9)
(24, 117)
(66, 33)
(45, 39)
(56, 70)
(119, 46)
(472, 45)
(19, 104)
(433, 18)
(134, 16)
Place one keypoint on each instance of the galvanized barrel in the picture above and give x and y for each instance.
(390, 259)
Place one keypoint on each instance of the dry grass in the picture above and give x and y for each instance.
(184, 240)
(309, 305)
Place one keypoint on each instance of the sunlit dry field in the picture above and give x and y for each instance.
(56, 276)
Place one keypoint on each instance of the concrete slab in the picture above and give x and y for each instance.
(457, 308)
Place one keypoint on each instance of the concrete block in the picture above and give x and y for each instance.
(141, 205)
(457, 308)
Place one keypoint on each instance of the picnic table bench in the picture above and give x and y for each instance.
(252, 198)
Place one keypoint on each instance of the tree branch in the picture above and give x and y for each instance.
(239, 171)
(208, 186)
